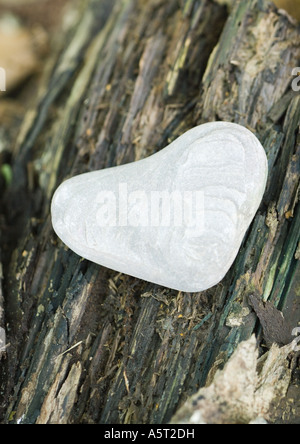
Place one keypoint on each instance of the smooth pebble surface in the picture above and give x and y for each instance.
(176, 218)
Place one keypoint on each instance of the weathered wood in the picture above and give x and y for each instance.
(2, 317)
(90, 345)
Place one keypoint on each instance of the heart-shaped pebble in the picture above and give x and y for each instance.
(176, 218)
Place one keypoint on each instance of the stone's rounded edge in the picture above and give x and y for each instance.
(201, 131)
(66, 189)
(255, 151)
(59, 206)
(61, 200)
(63, 195)
(56, 209)
(60, 230)
(209, 127)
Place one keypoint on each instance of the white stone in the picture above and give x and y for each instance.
(176, 218)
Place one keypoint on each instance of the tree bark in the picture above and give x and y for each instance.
(88, 345)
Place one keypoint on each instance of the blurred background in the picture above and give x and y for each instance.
(28, 33)
(291, 6)
(32, 33)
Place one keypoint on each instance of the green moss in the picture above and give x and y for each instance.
(6, 172)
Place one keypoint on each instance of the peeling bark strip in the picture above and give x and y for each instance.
(241, 397)
(89, 345)
(275, 328)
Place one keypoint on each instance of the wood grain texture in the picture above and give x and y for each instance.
(132, 77)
